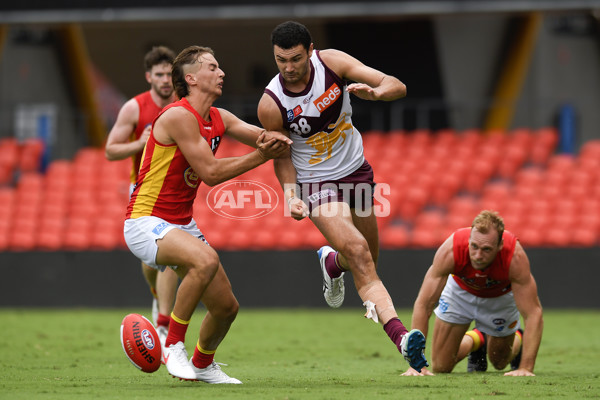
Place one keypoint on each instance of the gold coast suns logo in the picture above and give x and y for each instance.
(190, 177)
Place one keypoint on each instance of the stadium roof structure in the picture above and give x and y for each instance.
(60, 11)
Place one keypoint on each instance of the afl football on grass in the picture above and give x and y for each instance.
(140, 342)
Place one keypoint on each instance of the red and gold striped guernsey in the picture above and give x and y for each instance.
(167, 185)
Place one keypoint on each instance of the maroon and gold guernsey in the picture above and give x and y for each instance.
(148, 112)
(490, 282)
(167, 185)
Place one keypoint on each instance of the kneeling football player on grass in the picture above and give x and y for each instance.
(480, 274)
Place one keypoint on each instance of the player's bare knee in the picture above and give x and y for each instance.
(231, 310)
(205, 267)
(441, 368)
(499, 364)
(356, 252)
(226, 310)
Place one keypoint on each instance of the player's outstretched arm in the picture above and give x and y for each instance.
(370, 84)
(525, 292)
(178, 125)
(429, 294)
(247, 133)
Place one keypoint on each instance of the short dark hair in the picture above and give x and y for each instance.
(188, 56)
(290, 34)
(158, 55)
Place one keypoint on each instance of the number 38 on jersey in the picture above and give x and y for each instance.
(301, 128)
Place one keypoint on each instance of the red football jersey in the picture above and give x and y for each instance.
(148, 111)
(167, 185)
(490, 282)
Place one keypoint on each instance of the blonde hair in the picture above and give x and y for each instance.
(487, 220)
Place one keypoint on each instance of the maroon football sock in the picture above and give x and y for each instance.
(395, 329)
(332, 266)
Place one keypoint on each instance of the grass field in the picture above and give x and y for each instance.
(278, 354)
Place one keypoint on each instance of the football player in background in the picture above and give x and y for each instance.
(127, 138)
(481, 274)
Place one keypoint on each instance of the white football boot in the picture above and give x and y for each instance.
(333, 288)
(213, 374)
(176, 361)
(162, 332)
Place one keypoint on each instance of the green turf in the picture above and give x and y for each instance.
(278, 354)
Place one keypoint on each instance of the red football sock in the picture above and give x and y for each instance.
(177, 330)
(332, 265)
(202, 358)
(163, 320)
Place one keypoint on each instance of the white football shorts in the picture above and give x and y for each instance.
(142, 233)
(496, 316)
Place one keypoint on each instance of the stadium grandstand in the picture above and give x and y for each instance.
(501, 114)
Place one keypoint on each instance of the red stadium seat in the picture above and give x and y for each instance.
(394, 236)
(426, 238)
(530, 236)
(105, 234)
(590, 149)
(30, 159)
(22, 240)
(543, 146)
(557, 237)
(583, 236)
(10, 150)
(51, 233)
(77, 234)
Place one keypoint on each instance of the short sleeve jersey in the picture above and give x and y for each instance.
(167, 185)
(326, 145)
(148, 111)
(490, 282)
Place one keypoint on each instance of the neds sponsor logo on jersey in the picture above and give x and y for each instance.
(328, 98)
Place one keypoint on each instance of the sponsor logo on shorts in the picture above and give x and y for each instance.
(159, 228)
(500, 324)
(364, 198)
(512, 324)
(201, 237)
(242, 199)
(328, 98)
(148, 339)
(443, 305)
(321, 195)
